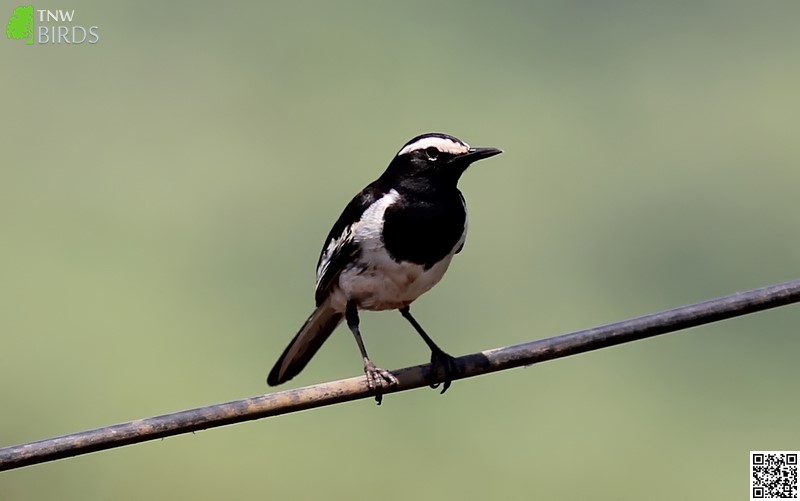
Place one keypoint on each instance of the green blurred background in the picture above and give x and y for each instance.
(164, 195)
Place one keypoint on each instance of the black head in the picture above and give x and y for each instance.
(436, 157)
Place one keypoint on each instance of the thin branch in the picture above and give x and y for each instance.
(345, 390)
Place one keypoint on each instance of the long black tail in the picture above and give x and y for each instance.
(305, 344)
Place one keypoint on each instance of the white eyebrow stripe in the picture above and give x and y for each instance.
(442, 144)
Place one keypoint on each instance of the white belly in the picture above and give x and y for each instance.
(380, 283)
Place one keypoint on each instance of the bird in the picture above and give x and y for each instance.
(392, 243)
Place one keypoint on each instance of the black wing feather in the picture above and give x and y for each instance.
(339, 249)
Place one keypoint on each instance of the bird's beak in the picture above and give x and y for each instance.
(475, 154)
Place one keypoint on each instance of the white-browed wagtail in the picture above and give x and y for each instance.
(392, 243)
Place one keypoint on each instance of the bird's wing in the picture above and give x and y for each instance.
(340, 248)
(340, 251)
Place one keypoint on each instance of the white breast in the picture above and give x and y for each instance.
(376, 281)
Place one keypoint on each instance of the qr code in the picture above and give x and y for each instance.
(773, 474)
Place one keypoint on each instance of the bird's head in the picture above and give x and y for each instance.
(436, 156)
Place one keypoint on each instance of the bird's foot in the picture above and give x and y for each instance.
(447, 364)
(378, 379)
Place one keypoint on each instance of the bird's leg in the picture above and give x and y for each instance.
(377, 378)
(439, 358)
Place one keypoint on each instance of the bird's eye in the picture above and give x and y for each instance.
(432, 153)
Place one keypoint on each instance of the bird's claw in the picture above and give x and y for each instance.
(447, 364)
(378, 380)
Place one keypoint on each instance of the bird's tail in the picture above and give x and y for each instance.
(305, 344)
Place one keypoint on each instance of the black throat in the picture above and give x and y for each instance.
(425, 223)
